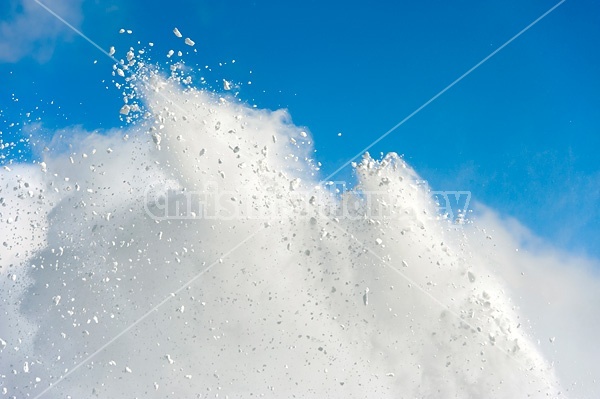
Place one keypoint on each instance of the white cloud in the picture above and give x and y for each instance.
(30, 30)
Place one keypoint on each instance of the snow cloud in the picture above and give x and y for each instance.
(368, 293)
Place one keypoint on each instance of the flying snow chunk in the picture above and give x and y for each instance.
(111, 52)
(156, 138)
(125, 109)
(43, 167)
(189, 41)
(176, 32)
(226, 85)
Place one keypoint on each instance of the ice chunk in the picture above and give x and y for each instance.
(294, 184)
(189, 41)
(226, 85)
(378, 241)
(125, 109)
(170, 53)
(43, 167)
(176, 32)
(111, 52)
(156, 138)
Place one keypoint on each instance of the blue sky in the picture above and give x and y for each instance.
(520, 132)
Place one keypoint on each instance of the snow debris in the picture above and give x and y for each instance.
(125, 109)
(156, 138)
(176, 32)
(294, 184)
(189, 41)
(112, 50)
(471, 277)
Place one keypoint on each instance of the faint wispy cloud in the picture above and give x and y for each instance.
(27, 30)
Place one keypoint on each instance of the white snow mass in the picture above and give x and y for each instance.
(197, 254)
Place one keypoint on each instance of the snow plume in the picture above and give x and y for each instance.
(196, 254)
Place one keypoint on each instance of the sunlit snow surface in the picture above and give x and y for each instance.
(276, 286)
